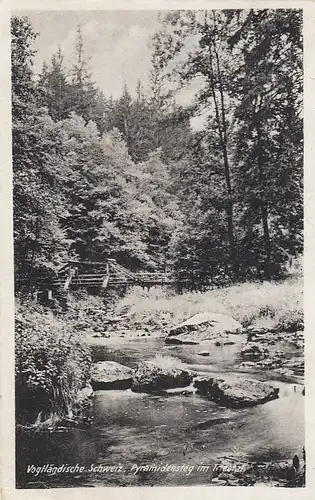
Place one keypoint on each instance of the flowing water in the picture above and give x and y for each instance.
(131, 430)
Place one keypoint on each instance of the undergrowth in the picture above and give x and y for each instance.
(52, 364)
(275, 305)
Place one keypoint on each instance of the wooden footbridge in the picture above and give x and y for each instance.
(108, 274)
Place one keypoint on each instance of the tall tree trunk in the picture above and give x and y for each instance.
(267, 243)
(263, 203)
(219, 105)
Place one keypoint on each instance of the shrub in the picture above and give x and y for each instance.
(52, 364)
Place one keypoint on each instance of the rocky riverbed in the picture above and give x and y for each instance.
(229, 401)
(259, 348)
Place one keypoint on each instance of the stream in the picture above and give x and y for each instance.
(131, 429)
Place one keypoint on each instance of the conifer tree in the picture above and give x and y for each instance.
(38, 239)
(54, 90)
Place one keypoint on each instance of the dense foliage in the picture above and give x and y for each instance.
(52, 365)
(131, 179)
(246, 215)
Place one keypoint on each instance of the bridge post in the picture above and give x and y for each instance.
(106, 277)
(71, 273)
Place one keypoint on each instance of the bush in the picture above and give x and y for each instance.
(276, 305)
(52, 364)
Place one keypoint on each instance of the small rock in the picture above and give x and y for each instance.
(218, 481)
(284, 371)
(84, 396)
(180, 340)
(247, 364)
(115, 319)
(269, 363)
(257, 330)
(204, 353)
(254, 350)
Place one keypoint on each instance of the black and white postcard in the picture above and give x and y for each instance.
(155, 197)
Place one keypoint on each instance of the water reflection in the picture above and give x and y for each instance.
(131, 428)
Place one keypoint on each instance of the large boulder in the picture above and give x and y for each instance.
(150, 376)
(204, 326)
(111, 375)
(233, 391)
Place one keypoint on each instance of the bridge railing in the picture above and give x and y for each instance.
(102, 274)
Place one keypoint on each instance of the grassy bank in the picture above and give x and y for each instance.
(52, 365)
(270, 305)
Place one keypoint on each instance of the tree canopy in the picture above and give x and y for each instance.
(132, 179)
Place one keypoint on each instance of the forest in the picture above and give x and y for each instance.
(132, 179)
(208, 192)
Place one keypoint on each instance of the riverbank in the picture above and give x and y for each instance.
(270, 316)
(276, 306)
(53, 359)
(177, 425)
(177, 428)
